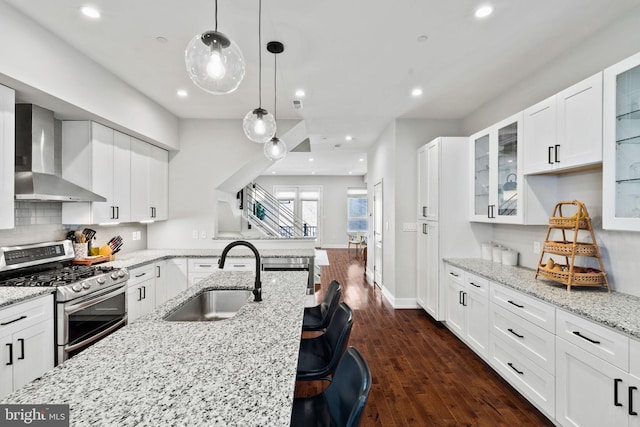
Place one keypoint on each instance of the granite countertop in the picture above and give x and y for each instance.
(236, 372)
(146, 256)
(12, 295)
(614, 309)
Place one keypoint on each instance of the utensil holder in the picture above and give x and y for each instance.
(81, 250)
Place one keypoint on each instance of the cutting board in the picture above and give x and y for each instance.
(91, 260)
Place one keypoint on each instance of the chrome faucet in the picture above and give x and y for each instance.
(257, 287)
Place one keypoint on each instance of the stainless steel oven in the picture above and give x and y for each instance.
(85, 320)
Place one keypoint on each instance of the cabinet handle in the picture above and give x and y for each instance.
(21, 340)
(517, 305)
(141, 274)
(158, 271)
(10, 362)
(204, 265)
(117, 212)
(490, 213)
(424, 211)
(454, 274)
(473, 284)
(113, 213)
(144, 292)
(585, 338)
(549, 155)
(424, 229)
(12, 321)
(616, 381)
(140, 293)
(460, 297)
(464, 299)
(515, 333)
(515, 369)
(556, 153)
(631, 390)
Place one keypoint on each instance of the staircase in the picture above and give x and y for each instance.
(263, 211)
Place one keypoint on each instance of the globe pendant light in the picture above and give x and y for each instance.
(259, 125)
(214, 61)
(275, 149)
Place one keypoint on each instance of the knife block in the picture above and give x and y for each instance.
(105, 250)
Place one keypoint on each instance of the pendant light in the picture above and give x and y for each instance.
(214, 61)
(275, 149)
(259, 125)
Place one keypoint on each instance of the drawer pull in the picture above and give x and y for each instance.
(631, 390)
(473, 284)
(515, 333)
(515, 369)
(21, 340)
(204, 265)
(454, 274)
(141, 274)
(615, 391)
(585, 338)
(12, 321)
(517, 305)
(10, 362)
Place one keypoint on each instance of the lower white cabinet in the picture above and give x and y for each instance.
(26, 342)
(201, 268)
(141, 289)
(171, 278)
(467, 311)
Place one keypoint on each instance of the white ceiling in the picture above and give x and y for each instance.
(357, 60)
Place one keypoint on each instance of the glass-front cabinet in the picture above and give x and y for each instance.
(621, 146)
(496, 159)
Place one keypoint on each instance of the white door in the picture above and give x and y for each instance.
(377, 233)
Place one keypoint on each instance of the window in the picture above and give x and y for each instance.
(304, 202)
(357, 216)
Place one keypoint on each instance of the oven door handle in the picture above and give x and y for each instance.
(94, 338)
(88, 303)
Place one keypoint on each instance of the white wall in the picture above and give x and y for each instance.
(333, 226)
(605, 48)
(38, 64)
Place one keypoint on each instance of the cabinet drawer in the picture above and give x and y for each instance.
(20, 315)
(202, 265)
(531, 380)
(598, 340)
(141, 274)
(537, 344)
(477, 284)
(634, 357)
(529, 308)
(454, 273)
(239, 264)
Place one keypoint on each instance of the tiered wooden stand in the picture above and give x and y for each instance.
(570, 274)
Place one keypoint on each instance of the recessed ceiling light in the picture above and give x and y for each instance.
(300, 93)
(361, 159)
(483, 11)
(416, 92)
(90, 12)
(348, 138)
(273, 172)
(350, 173)
(311, 159)
(313, 172)
(182, 93)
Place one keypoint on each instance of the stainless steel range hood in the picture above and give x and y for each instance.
(35, 178)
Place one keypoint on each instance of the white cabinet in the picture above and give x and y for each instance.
(468, 308)
(171, 278)
(7, 157)
(141, 288)
(201, 268)
(621, 146)
(428, 179)
(565, 131)
(97, 158)
(26, 342)
(149, 182)
(499, 191)
(428, 294)
(633, 388)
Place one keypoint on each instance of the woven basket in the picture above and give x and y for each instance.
(566, 222)
(561, 248)
(579, 279)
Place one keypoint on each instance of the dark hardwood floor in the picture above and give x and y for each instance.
(422, 375)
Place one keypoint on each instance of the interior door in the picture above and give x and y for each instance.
(377, 233)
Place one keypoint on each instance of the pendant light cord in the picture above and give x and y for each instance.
(275, 87)
(259, 53)
(216, 15)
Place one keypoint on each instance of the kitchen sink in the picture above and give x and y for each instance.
(210, 306)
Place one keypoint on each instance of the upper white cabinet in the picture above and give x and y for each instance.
(7, 156)
(565, 130)
(500, 192)
(621, 146)
(98, 158)
(149, 182)
(428, 180)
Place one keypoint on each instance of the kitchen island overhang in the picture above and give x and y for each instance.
(240, 371)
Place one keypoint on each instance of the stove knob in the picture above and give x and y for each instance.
(114, 275)
(121, 273)
(77, 287)
(100, 280)
(86, 285)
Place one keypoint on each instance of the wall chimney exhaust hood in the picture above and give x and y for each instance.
(35, 178)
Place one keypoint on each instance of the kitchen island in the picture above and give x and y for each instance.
(236, 372)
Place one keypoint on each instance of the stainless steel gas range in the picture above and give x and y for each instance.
(91, 301)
